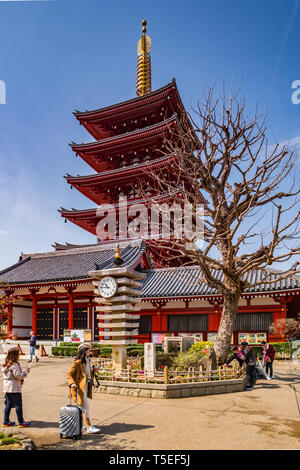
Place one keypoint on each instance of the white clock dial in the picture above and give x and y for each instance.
(107, 287)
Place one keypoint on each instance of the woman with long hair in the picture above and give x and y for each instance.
(80, 377)
(12, 387)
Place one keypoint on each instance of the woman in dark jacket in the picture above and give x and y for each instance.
(250, 361)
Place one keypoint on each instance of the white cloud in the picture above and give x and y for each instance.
(294, 142)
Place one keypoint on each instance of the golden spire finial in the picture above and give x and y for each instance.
(143, 80)
(118, 258)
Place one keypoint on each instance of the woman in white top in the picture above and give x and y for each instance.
(12, 387)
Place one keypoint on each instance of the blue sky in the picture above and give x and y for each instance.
(58, 56)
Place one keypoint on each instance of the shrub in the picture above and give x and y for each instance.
(64, 351)
(8, 440)
(196, 356)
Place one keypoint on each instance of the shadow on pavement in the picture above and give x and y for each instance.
(116, 428)
(259, 386)
(99, 441)
(43, 424)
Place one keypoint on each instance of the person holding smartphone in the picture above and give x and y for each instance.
(80, 377)
(12, 387)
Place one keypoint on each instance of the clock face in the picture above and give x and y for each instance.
(107, 287)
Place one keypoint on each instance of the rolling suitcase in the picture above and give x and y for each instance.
(70, 422)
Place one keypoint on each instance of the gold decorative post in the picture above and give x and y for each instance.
(143, 80)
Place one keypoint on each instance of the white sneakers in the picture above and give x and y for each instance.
(93, 430)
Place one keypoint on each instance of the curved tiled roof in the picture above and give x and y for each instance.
(136, 100)
(68, 265)
(121, 139)
(186, 281)
(75, 263)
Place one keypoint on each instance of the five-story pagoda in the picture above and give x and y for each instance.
(128, 149)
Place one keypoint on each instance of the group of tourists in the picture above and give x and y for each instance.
(245, 356)
(80, 380)
(81, 374)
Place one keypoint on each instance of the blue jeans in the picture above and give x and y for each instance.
(269, 367)
(13, 400)
(32, 352)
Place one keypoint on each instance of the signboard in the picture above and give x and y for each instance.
(211, 337)
(157, 338)
(198, 336)
(74, 336)
(149, 357)
(252, 338)
(88, 335)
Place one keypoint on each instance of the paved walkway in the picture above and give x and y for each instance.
(266, 418)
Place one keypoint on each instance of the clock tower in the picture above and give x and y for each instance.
(117, 290)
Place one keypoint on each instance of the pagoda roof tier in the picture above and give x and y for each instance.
(93, 186)
(94, 153)
(89, 218)
(133, 113)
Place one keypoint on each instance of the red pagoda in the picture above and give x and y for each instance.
(129, 148)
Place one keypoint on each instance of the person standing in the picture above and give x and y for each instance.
(268, 354)
(12, 387)
(80, 376)
(250, 361)
(32, 343)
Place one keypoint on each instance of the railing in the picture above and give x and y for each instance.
(168, 376)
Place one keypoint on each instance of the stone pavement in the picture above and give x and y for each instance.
(266, 418)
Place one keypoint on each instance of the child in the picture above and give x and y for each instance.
(12, 385)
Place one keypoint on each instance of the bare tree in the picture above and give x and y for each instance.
(220, 157)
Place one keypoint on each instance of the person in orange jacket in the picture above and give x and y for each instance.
(80, 377)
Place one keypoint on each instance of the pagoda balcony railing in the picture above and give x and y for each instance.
(123, 169)
(161, 197)
(165, 124)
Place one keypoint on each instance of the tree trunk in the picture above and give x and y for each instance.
(226, 327)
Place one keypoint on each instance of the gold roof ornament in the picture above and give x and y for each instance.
(143, 79)
(118, 258)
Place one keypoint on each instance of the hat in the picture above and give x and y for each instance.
(84, 345)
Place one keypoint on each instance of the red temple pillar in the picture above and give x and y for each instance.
(55, 320)
(10, 320)
(90, 314)
(71, 308)
(34, 312)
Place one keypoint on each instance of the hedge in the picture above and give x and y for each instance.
(280, 348)
(70, 349)
(64, 351)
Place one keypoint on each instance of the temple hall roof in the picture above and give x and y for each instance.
(71, 264)
(186, 282)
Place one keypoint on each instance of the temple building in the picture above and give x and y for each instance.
(127, 148)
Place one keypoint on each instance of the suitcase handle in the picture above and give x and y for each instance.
(70, 401)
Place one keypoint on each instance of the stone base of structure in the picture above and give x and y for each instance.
(119, 357)
(172, 390)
